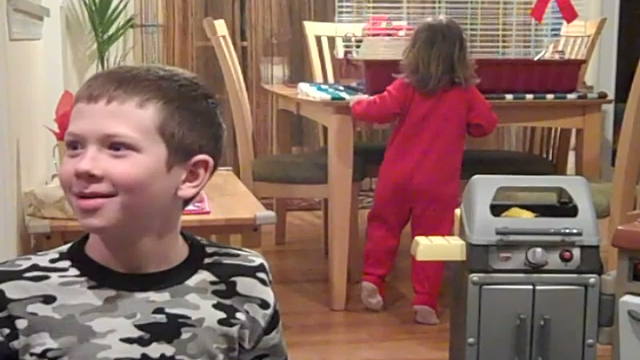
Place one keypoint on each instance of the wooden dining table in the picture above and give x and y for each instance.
(584, 115)
(234, 210)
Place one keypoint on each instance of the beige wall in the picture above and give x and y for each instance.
(36, 82)
(604, 77)
(594, 10)
(602, 68)
(33, 74)
(33, 83)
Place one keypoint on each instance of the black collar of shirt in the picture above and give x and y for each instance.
(106, 277)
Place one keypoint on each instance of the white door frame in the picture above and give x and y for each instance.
(606, 76)
(8, 206)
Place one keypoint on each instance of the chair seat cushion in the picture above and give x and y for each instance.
(504, 162)
(305, 168)
(601, 194)
(371, 153)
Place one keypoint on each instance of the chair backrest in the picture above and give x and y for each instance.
(627, 166)
(218, 33)
(325, 43)
(578, 40)
(551, 143)
(321, 57)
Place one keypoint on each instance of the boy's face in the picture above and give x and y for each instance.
(114, 172)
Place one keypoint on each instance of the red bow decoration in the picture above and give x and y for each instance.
(567, 10)
(63, 114)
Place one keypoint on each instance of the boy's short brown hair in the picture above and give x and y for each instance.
(189, 120)
(437, 58)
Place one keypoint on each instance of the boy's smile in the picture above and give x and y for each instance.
(115, 168)
(91, 200)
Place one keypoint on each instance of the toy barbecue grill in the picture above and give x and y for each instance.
(529, 289)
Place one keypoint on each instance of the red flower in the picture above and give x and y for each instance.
(63, 114)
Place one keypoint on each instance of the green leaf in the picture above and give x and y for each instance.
(117, 12)
(109, 23)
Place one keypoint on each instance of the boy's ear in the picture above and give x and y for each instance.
(197, 173)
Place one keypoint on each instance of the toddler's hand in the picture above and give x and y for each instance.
(356, 98)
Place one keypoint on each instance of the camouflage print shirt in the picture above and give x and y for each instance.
(216, 304)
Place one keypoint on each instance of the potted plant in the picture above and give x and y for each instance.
(109, 22)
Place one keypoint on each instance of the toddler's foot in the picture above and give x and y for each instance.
(426, 315)
(370, 296)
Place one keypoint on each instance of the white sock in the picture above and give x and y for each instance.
(426, 315)
(370, 296)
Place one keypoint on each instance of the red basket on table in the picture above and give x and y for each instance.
(496, 75)
(528, 75)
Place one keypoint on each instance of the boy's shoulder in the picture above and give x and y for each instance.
(219, 255)
(35, 267)
(220, 260)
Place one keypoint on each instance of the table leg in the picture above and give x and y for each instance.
(356, 247)
(48, 241)
(340, 163)
(224, 239)
(589, 144)
(252, 239)
(38, 242)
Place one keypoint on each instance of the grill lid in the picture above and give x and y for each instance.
(554, 210)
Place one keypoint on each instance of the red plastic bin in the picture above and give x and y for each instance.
(378, 74)
(496, 75)
(528, 75)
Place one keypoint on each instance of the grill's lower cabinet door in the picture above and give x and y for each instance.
(558, 323)
(629, 327)
(505, 322)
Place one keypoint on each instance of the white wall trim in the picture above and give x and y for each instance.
(8, 205)
(605, 78)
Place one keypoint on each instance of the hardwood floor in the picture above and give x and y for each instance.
(313, 332)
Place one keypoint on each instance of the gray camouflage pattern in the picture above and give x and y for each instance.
(225, 310)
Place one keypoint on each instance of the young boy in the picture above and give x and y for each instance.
(142, 142)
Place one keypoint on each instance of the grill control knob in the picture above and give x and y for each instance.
(536, 257)
(566, 255)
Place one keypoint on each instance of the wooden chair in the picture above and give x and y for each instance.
(322, 58)
(577, 40)
(539, 150)
(326, 47)
(529, 151)
(617, 202)
(277, 176)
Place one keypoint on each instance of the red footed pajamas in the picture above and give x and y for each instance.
(419, 179)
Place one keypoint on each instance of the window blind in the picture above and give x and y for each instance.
(494, 28)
